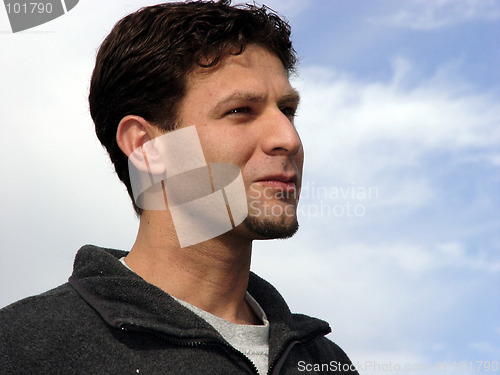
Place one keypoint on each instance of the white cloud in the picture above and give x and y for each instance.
(494, 159)
(428, 15)
(405, 291)
(382, 133)
(433, 114)
(485, 347)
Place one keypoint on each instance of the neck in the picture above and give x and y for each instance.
(212, 275)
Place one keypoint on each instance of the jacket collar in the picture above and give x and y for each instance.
(123, 299)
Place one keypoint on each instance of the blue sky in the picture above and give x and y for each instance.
(399, 246)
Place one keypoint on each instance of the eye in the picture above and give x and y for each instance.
(238, 111)
(289, 112)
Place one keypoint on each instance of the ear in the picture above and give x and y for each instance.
(135, 137)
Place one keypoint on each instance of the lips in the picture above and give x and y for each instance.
(280, 182)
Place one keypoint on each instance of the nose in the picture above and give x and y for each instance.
(281, 137)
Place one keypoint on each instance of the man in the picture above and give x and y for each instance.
(173, 82)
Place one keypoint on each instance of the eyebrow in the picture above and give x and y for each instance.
(291, 96)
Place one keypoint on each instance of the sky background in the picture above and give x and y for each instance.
(399, 246)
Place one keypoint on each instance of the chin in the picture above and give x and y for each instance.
(267, 229)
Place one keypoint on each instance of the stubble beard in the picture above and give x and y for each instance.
(268, 229)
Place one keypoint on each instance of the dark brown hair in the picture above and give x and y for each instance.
(142, 65)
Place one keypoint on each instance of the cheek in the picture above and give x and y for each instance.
(226, 146)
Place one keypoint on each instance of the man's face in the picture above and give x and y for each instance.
(243, 111)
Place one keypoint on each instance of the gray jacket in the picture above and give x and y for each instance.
(108, 320)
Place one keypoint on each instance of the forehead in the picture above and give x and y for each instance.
(255, 69)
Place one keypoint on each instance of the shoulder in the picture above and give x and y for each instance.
(41, 307)
(38, 315)
(34, 327)
(329, 349)
(327, 354)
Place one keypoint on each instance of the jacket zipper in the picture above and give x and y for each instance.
(192, 343)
